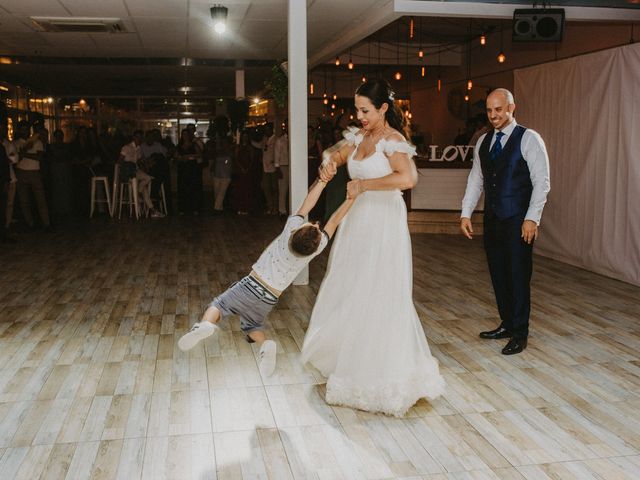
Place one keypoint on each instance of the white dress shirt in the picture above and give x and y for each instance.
(534, 153)
(282, 151)
(269, 155)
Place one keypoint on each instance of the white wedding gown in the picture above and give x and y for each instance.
(364, 334)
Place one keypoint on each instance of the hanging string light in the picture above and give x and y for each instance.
(423, 71)
(325, 100)
(469, 81)
(483, 39)
(420, 51)
(398, 75)
(411, 28)
(311, 89)
(501, 56)
(350, 64)
(439, 79)
(337, 62)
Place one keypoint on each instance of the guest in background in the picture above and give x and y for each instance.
(282, 166)
(336, 190)
(5, 177)
(31, 152)
(221, 170)
(189, 155)
(269, 173)
(12, 185)
(61, 177)
(245, 181)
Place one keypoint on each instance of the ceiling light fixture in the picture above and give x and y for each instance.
(219, 16)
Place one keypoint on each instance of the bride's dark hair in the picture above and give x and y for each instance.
(379, 92)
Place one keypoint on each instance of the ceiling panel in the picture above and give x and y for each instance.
(14, 24)
(34, 7)
(95, 8)
(157, 8)
(122, 41)
(268, 10)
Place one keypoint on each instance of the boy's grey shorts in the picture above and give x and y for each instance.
(248, 299)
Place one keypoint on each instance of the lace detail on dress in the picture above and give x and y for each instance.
(389, 147)
(393, 398)
(352, 136)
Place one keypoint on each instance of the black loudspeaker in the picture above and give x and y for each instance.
(538, 25)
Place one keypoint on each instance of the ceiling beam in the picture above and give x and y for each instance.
(379, 17)
(503, 11)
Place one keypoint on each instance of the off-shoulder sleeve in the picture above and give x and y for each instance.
(352, 136)
(389, 147)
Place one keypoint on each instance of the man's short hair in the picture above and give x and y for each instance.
(305, 240)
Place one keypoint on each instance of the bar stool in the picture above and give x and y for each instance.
(131, 189)
(104, 181)
(161, 201)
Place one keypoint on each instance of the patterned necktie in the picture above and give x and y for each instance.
(496, 150)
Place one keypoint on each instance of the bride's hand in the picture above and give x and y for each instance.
(354, 188)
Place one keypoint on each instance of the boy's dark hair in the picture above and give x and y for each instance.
(305, 240)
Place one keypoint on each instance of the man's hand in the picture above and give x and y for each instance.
(327, 171)
(466, 227)
(529, 231)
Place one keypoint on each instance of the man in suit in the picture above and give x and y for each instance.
(511, 165)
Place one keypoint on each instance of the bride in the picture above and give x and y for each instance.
(364, 334)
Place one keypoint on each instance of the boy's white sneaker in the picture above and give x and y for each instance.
(267, 357)
(198, 332)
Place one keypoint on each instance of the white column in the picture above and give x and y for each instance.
(297, 68)
(240, 84)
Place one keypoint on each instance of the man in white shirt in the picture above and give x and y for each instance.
(269, 173)
(29, 177)
(511, 165)
(282, 167)
(130, 155)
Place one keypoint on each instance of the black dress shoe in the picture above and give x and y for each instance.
(498, 333)
(515, 345)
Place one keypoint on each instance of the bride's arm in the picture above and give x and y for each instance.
(403, 177)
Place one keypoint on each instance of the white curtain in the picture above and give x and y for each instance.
(587, 110)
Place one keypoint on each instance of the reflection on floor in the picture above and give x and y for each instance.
(92, 384)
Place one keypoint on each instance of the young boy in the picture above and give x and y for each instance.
(254, 296)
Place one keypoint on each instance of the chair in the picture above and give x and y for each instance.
(129, 188)
(161, 201)
(104, 181)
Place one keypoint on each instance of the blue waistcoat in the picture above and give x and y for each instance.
(507, 181)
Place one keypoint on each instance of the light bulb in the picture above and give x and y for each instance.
(398, 75)
(350, 65)
(502, 57)
(469, 84)
(423, 71)
(337, 61)
(483, 39)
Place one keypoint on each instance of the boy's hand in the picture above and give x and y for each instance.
(328, 171)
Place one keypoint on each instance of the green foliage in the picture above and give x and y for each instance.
(278, 83)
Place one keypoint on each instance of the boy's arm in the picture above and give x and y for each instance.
(332, 225)
(311, 198)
